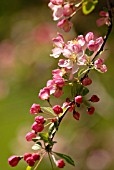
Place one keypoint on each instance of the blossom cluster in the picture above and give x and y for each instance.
(63, 11)
(76, 58)
(73, 55)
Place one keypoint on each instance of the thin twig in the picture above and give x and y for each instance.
(50, 161)
(39, 161)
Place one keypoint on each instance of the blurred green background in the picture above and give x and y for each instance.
(26, 30)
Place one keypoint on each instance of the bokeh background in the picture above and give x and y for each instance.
(26, 30)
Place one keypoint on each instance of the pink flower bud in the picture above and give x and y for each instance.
(44, 93)
(60, 163)
(91, 110)
(78, 99)
(103, 14)
(98, 62)
(14, 160)
(57, 2)
(89, 36)
(94, 98)
(30, 161)
(86, 81)
(39, 119)
(60, 82)
(92, 45)
(30, 135)
(37, 127)
(103, 68)
(57, 109)
(76, 115)
(68, 9)
(35, 108)
(58, 92)
(35, 156)
(65, 25)
(54, 120)
(26, 155)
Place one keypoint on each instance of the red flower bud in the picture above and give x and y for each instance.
(27, 155)
(57, 109)
(30, 161)
(87, 81)
(76, 115)
(39, 119)
(91, 110)
(30, 135)
(37, 127)
(14, 160)
(78, 99)
(60, 163)
(94, 98)
(35, 108)
(35, 156)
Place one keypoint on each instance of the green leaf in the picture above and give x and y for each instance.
(67, 158)
(88, 52)
(48, 110)
(88, 6)
(84, 91)
(44, 136)
(36, 147)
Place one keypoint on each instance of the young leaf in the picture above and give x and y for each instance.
(84, 91)
(88, 6)
(67, 158)
(48, 110)
(88, 52)
(44, 137)
(36, 147)
(29, 168)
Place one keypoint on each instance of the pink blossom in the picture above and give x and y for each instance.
(58, 93)
(65, 24)
(68, 9)
(44, 93)
(95, 45)
(100, 66)
(57, 11)
(103, 68)
(51, 85)
(57, 72)
(58, 42)
(81, 40)
(89, 36)
(65, 63)
(104, 19)
(60, 82)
